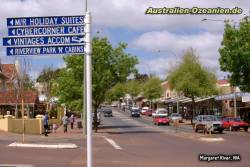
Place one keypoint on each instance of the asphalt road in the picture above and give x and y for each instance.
(131, 142)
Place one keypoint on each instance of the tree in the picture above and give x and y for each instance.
(48, 77)
(133, 88)
(235, 53)
(110, 65)
(192, 79)
(152, 89)
(116, 92)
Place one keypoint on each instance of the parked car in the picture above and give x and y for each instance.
(158, 120)
(175, 117)
(233, 123)
(143, 110)
(148, 112)
(160, 112)
(135, 112)
(107, 112)
(207, 123)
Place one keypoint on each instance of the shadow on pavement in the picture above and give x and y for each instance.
(115, 127)
(132, 132)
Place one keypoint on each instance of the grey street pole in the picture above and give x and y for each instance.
(178, 102)
(84, 86)
(88, 47)
(235, 107)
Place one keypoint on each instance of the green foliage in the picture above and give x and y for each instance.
(133, 88)
(109, 66)
(235, 53)
(27, 83)
(116, 92)
(191, 78)
(48, 74)
(152, 88)
(48, 77)
(69, 83)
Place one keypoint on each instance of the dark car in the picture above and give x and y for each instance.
(135, 112)
(107, 112)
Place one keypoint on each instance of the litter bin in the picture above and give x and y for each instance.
(79, 124)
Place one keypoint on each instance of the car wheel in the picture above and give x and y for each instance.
(220, 131)
(196, 130)
(167, 123)
(246, 129)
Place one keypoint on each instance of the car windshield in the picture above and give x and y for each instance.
(162, 111)
(175, 115)
(210, 118)
(236, 119)
(107, 110)
(161, 116)
(135, 110)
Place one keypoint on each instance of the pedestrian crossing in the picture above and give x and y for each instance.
(126, 118)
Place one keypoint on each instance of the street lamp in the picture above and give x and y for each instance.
(206, 19)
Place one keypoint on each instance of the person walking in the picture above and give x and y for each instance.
(72, 120)
(65, 123)
(46, 124)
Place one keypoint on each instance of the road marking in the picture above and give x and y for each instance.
(211, 139)
(61, 145)
(113, 143)
(15, 165)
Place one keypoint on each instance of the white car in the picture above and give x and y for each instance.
(175, 117)
(144, 109)
(162, 112)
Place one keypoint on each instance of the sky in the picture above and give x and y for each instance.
(158, 41)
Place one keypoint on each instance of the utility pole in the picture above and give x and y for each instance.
(235, 107)
(88, 47)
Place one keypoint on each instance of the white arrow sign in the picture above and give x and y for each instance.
(11, 51)
(12, 22)
(13, 32)
(9, 41)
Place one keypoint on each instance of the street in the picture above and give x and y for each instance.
(127, 142)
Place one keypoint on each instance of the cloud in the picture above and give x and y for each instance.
(170, 47)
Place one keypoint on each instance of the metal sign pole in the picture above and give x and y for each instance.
(88, 87)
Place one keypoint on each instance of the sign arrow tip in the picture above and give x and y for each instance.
(11, 51)
(9, 41)
(11, 21)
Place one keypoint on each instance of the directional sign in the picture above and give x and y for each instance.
(48, 30)
(43, 40)
(45, 21)
(45, 50)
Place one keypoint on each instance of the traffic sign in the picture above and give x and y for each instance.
(45, 50)
(47, 30)
(43, 40)
(45, 21)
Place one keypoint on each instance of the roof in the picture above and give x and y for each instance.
(222, 81)
(9, 97)
(9, 70)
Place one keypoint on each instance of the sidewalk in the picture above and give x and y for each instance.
(58, 137)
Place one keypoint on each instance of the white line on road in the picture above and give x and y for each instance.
(113, 143)
(15, 165)
(211, 139)
(62, 145)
